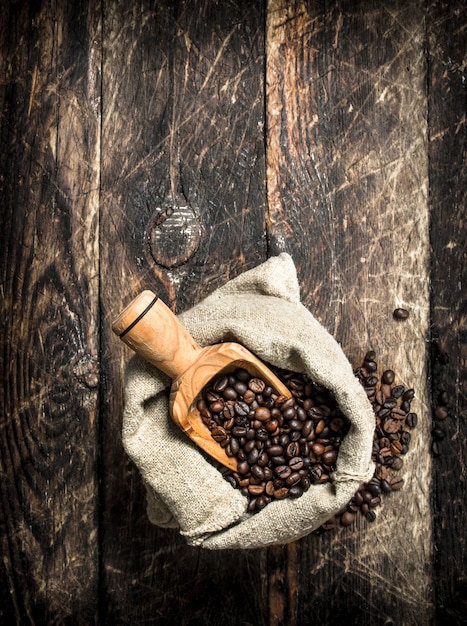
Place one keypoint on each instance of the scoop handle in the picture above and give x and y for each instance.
(150, 328)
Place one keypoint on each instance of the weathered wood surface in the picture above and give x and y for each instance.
(447, 110)
(171, 146)
(347, 172)
(49, 312)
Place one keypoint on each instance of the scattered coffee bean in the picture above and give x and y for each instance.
(400, 314)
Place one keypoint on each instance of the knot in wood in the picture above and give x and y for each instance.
(173, 235)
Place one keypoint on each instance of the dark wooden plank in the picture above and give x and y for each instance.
(347, 191)
(447, 25)
(183, 129)
(49, 149)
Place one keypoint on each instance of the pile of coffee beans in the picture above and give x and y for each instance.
(285, 445)
(394, 421)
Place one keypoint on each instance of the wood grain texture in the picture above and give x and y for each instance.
(447, 23)
(156, 178)
(50, 124)
(347, 191)
(183, 210)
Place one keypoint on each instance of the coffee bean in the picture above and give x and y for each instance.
(229, 393)
(397, 391)
(241, 408)
(318, 449)
(411, 420)
(253, 456)
(257, 471)
(293, 450)
(239, 431)
(347, 518)
(249, 396)
(296, 491)
(256, 490)
(281, 493)
(272, 425)
(278, 460)
(387, 377)
(219, 434)
(438, 433)
(296, 463)
(263, 459)
(329, 457)
(397, 483)
(400, 314)
(275, 450)
(262, 414)
(256, 385)
(289, 413)
(440, 413)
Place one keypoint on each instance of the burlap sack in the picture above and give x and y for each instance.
(260, 309)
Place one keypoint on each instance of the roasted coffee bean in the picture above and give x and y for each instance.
(255, 490)
(318, 449)
(239, 431)
(256, 385)
(275, 450)
(289, 413)
(292, 450)
(272, 425)
(293, 479)
(241, 408)
(262, 414)
(397, 391)
(257, 471)
(229, 393)
(253, 456)
(262, 435)
(219, 434)
(400, 314)
(397, 483)
(388, 377)
(234, 446)
(295, 491)
(411, 420)
(278, 460)
(307, 428)
(440, 413)
(347, 518)
(220, 383)
(296, 463)
(438, 433)
(249, 396)
(329, 457)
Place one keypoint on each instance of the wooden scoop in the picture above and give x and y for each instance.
(150, 328)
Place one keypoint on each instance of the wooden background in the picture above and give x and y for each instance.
(333, 130)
